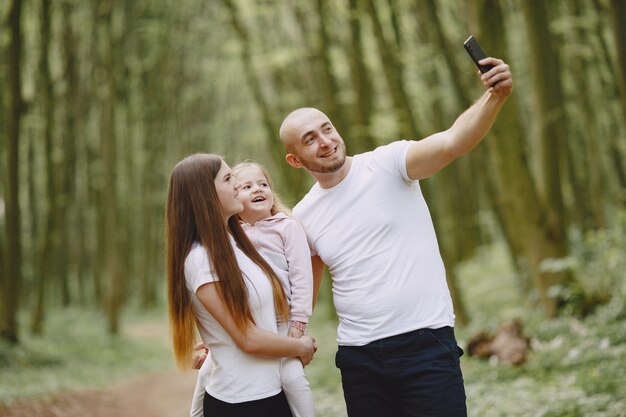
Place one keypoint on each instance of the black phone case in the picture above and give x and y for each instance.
(476, 52)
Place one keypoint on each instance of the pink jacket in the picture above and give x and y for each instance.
(282, 242)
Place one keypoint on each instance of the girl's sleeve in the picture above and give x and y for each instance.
(197, 400)
(298, 256)
(201, 383)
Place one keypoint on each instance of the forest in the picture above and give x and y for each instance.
(101, 98)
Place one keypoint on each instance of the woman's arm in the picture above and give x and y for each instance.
(255, 341)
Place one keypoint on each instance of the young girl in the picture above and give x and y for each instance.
(282, 242)
(218, 282)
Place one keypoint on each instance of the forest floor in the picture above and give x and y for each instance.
(164, 393)
(156, 395)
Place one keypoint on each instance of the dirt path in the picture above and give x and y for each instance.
(155, 395)
(164, 394)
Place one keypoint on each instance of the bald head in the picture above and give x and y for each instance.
(292, 126)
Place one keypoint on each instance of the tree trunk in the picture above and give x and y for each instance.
(48, 252)
(548, 112)
(592, 155)
(109, 200)
(392, 69)
(13, 256)
(361, 139)
(611, 126)
(329, 84)
(93, 169)
(592, 168)
(295, 180)
(453, 227)
(69, 209)
(522, 211)
(618, 14)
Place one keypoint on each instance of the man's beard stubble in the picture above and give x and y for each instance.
(327, 169)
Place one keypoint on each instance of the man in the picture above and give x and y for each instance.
(367, 221)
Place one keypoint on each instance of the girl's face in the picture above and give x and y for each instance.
(255, 194)
(227, 188)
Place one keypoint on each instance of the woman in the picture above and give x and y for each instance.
(217, 280)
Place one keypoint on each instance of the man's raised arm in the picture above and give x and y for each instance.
(429, 155)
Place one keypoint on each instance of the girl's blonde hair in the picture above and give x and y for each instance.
(278, 206)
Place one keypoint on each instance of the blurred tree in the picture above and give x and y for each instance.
(68, 206)
(329, 84)
(612, 118)
(393, 72)
(253, 78)
(618, 14)
(48, 250)
(361, 139)
(361, 81)
(587, 176)
(12, 275)
(153, 178)
(548, 117)
(3, 58)
(108, 215)
(455, 206)
(522, 213)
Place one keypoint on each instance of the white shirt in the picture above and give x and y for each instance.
(235, 376)
(374, 232)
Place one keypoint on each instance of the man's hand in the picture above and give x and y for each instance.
(199, 359)
(500, 74)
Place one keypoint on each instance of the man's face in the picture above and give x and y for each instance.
(315, 144)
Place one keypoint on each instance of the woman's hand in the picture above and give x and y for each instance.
(309, 348)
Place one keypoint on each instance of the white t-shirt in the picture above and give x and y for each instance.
(374, 232)
(235, 375)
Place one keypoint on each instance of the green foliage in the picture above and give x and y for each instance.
(601, 264)
(76, 353)
(576, 364)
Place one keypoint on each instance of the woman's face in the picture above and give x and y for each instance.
(227, 188)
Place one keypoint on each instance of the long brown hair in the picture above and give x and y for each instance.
(193, 214)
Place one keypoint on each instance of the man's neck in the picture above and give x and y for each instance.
(330, 179)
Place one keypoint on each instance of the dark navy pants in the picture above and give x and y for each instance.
(408, 375)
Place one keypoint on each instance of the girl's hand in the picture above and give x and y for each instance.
(294, 332)
(199, 359)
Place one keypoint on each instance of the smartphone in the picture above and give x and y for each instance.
(476, 52)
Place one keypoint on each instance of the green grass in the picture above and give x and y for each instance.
(76, 352)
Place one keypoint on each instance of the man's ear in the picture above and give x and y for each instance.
(293, 160)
